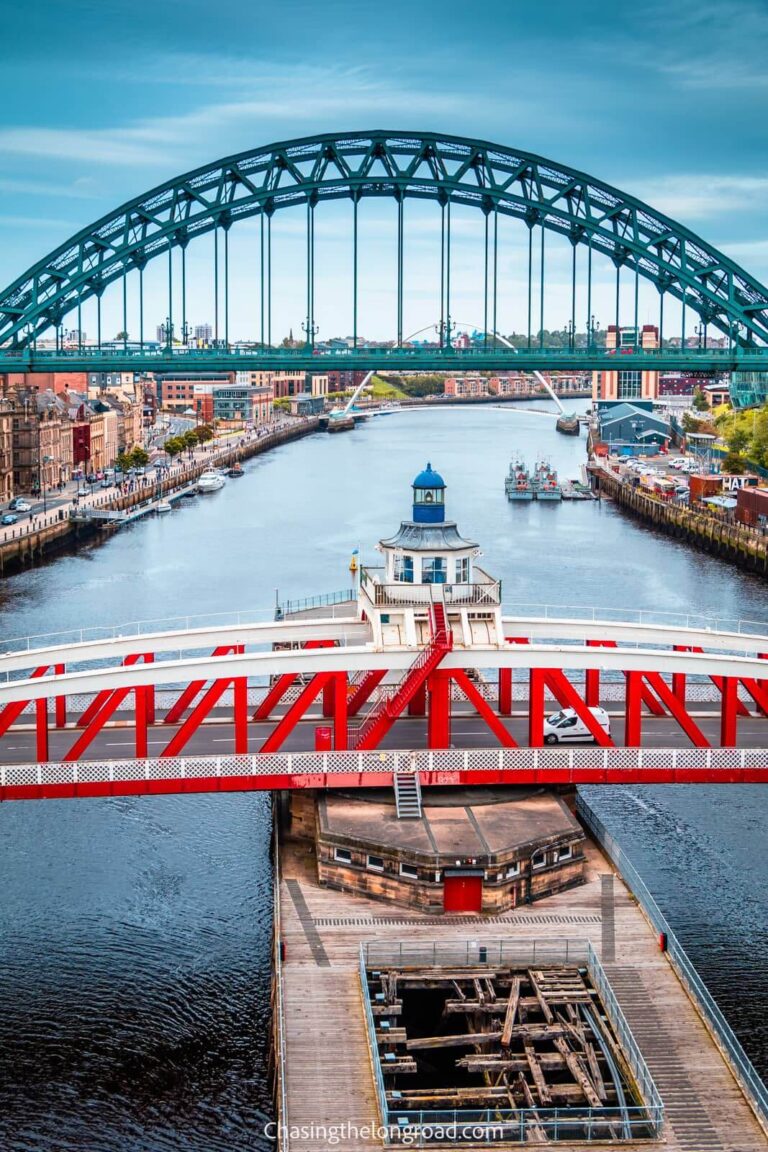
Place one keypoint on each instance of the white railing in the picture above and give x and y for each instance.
(742, 1067)
(522, 611)
(337, 769)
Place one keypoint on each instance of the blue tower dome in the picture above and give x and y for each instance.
(429, 497)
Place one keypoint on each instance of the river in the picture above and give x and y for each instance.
(134, 933)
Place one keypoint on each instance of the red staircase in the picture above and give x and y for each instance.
(387, 709)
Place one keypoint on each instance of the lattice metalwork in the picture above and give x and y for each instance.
(449, 169)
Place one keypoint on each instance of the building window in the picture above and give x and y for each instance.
(404, 569)
(539, 859)
(630, 385)
(409, 871)
(565, 853)
(513, 870)
(462, 570)
(376, 863)
(433, 570)
(342, 855)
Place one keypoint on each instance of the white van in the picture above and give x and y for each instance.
(566, 726)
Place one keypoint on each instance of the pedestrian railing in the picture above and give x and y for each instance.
(745, 1072)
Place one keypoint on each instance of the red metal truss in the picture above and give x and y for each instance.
(210, 698)
(11, 712)
(505, 680)
(483, 708)
(101, 698)
(106, 703)
(284, 682)
(564, 692)
(679, 681)
(635, 697)
(319, 682)
(361, 691)
(186, 698)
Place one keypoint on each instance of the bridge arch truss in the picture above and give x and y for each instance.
(454, 171)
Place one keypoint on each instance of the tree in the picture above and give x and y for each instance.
(121, 336)
(139, 457)
(737, 439)
(700, 401)
(190, 438)
(123, 461)
(173, 446)
(732, 463)
(204, 433)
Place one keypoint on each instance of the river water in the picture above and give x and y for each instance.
(134, 933)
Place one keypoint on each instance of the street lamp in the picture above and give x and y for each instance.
(42, 461)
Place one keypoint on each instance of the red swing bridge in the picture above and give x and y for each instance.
(312, 701)
(417, 672)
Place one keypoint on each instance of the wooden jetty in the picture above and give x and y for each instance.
(324, 1070)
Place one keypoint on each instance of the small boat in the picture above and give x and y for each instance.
(189, 494)
(236, 470)
(163, 506)
(517, 484)
(210, 481)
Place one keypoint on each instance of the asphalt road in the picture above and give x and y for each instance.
(217, 738)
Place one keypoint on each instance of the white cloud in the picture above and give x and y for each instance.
(700, 195)
(302, 97)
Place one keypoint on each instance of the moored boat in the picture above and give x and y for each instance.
(210, 481)
(546, 484)
(517, 484)
(236, 470)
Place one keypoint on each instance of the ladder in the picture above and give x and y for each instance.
(388, 707)
(408, 795)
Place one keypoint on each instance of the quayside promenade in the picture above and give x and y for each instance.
(324, 1065)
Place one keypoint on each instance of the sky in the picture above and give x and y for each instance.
(103, 100)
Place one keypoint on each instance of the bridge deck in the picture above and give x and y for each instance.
(329, 1078)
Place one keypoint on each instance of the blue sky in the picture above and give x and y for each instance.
(104, 100)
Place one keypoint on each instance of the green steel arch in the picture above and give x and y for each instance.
(449, 169)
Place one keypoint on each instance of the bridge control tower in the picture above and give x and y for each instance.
(426, 563)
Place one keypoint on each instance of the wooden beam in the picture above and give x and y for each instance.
(509, 1018)
(579, 1072)
(538, 1075)
(463, 1040)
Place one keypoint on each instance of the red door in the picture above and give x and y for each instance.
(463, 893)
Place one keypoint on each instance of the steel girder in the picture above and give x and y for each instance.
(422, 165)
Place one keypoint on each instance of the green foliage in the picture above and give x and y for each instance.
(423, 384)
(190, 438)
(282, 404)
(734, 463)
(139, 457)
(700, 401)
(746, 433)
(383, 389)
(205, 433)
(123, 461)
(174, 445)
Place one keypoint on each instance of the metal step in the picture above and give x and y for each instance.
(407, 795)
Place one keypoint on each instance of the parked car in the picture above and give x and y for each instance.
(567, 726)
(9, 518)
(91, 479)
(19, 504)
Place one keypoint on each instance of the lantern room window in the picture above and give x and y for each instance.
(429, 496)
